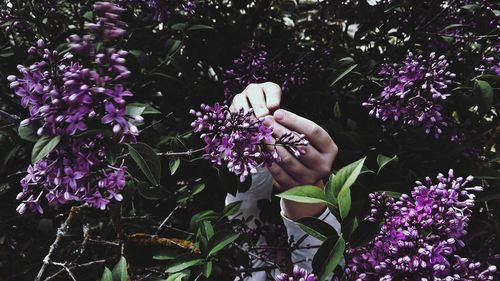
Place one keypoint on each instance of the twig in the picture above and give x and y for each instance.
(9, 116)
(168, 218)
(61, 232)
(157, 122)
(75, 267)
(173, 153)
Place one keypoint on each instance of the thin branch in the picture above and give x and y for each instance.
(168, 218)
(61, 232)
(173, 153)
(9, 116)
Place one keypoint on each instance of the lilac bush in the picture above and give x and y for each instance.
(421, 235)
(67, 97)
(239, 141)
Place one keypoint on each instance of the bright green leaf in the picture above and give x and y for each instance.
(120, 272)
(344, 178)
(107, 275)
(183, 263)
(304, 194)
(344, 201)
(44, 146)
(179, 276)
(220, 240)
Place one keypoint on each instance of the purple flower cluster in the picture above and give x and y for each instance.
(491, 61)
(254, 66)
(77, 171)
(414, 92)
(67, 97)
(298, 274)
(420, 235)
(237, 139)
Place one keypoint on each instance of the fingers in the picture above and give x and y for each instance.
(240, 101)
(273, 95)
(309, 159)
(263, 98)
(257, 100)
(294, 166)
(316, 135)
(282, 178)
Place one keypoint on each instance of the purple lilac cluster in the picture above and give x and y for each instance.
(237, 139)
(68, 97)
(298, 274)
(421, 235)
(414, 92)
(491, 60)
(254, 66)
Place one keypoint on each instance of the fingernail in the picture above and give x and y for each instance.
(279, 114)
(268, 121)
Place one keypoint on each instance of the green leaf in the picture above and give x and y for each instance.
(452, 26)
(107, 275)
(136, 108)
(486, 94)
(336, 110)
(231, 209)
(147, 160)
(344, 201)
(220, 240)
(89, 15)
(207, 269)
(383, 160)
(167, 254)
(184, 263)
(27, 133)
(304, 194)
(328, 256)
(179, 276)
(316, 228)
(344, 178)
(174, 165)
(351, 68)
(120, 272)
(207, 230)
(200, 27)
(197, 188)
(44, 146)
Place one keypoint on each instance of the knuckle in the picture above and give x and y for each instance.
(315, 131)
(271, 86)
(252, 88)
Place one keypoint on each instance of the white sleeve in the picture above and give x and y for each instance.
(307, 245)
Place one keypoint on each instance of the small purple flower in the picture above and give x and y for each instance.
(298, 274)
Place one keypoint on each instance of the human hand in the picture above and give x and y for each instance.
(263, 98)
(314, 164)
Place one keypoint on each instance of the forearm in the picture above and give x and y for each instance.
(295, 210)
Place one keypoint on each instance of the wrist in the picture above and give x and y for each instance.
(296, 210)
